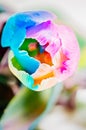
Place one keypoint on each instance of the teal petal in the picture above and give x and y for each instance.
(21, 74)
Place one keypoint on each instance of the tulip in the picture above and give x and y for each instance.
(43, 52)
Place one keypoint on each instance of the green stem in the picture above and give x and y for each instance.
(54, 96)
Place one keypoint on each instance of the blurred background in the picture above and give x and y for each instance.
(59, 108)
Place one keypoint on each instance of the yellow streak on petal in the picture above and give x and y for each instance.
(39, 79)
(43, 72)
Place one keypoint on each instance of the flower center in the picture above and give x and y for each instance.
(34, 49)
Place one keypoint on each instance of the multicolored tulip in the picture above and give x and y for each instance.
(43, 52)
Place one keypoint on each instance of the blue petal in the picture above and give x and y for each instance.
(40, 16)
(15, 30)
(29, 64)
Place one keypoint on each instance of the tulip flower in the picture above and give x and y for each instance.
(43, 52)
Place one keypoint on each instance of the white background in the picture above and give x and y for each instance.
(75, 9)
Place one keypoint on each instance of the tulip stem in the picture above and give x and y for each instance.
(54, 96)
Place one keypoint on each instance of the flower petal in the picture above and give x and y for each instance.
(26, 79)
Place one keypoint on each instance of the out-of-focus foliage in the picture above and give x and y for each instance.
(25, 107)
